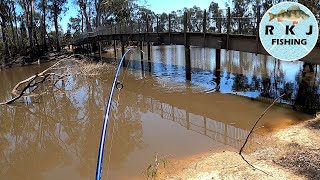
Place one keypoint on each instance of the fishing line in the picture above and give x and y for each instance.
(111, 143)
(114, 124)
(119, 85)
(106, 119)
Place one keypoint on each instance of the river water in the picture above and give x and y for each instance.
(56, 135)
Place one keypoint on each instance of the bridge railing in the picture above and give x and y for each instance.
(196, 22)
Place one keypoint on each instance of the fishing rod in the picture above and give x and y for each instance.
(119, 86)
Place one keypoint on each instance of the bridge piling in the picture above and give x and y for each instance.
(122, 51)
(100, 55)
(218, 59)
(228, 27)
(257, 29)
(188, 62)
(149, 56)
(204, 27)
(148, 46)
(115, 49)
(218, 68)
(187, 49)
(170, 28)
(141, 55)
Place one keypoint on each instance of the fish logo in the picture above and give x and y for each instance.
(289, 31)
(293, 13)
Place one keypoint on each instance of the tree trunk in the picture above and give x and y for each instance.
(82, 29)
(15, 22)
(12, 29)
(56, 25)
(97, 4)
(44, 42)
(31, 26)
(3, 27)
(83, 7)
(4, 37)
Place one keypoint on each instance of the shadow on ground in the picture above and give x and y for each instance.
(302, 161)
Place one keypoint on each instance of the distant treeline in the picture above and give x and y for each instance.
(29, 26)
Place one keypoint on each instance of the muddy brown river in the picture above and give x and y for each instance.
(56, 136)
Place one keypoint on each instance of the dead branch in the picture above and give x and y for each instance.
(33, 83)
(41, 74)
(22, 92)
(252, 130)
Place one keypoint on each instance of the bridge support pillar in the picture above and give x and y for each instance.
(218, 59)
(149, 56)
(100, 54)
(141, 54)
(218, 69)
(115, 49)
(122, 51)
(187, 48)
(188, 62)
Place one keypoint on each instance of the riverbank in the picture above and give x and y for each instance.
(20, 61)
(291, 153)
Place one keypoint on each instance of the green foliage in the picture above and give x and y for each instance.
(75, 24)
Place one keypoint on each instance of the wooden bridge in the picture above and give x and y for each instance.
(224, 32)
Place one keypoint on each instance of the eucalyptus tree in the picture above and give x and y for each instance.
(97, 4)
(195, 18)
(4, 17)
(146, 17)
(175, 21)
(84, 7)
(43, 24)
(75, 24)
(11, 20)
(240, 10)
(28, 12)
(214, 16)
(56, 8)
(117, 10)
(163, 22)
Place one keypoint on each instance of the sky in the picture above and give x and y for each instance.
(157, 6)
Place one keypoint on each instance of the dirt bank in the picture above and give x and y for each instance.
(291, 153)
(26, 60)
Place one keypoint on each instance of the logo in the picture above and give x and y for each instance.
(288, 31)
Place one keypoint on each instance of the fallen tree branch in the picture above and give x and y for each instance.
(33, 83)
(41, 74)
(252, 130)
(22, 92)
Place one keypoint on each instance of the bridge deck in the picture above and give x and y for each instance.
(225, 32)
(244, 43)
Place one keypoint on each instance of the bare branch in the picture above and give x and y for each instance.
(252, 130)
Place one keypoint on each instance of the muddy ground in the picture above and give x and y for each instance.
(291, 153)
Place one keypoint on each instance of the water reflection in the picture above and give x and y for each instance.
(56, 136)
(240, 73)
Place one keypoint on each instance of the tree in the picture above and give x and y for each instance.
(83, 4)
(118, 10)
(75, 24)
(4, 16)
(57, 6)
(215, 13)
(44, 32)
(28, 7)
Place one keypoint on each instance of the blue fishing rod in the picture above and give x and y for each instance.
(106, 117)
